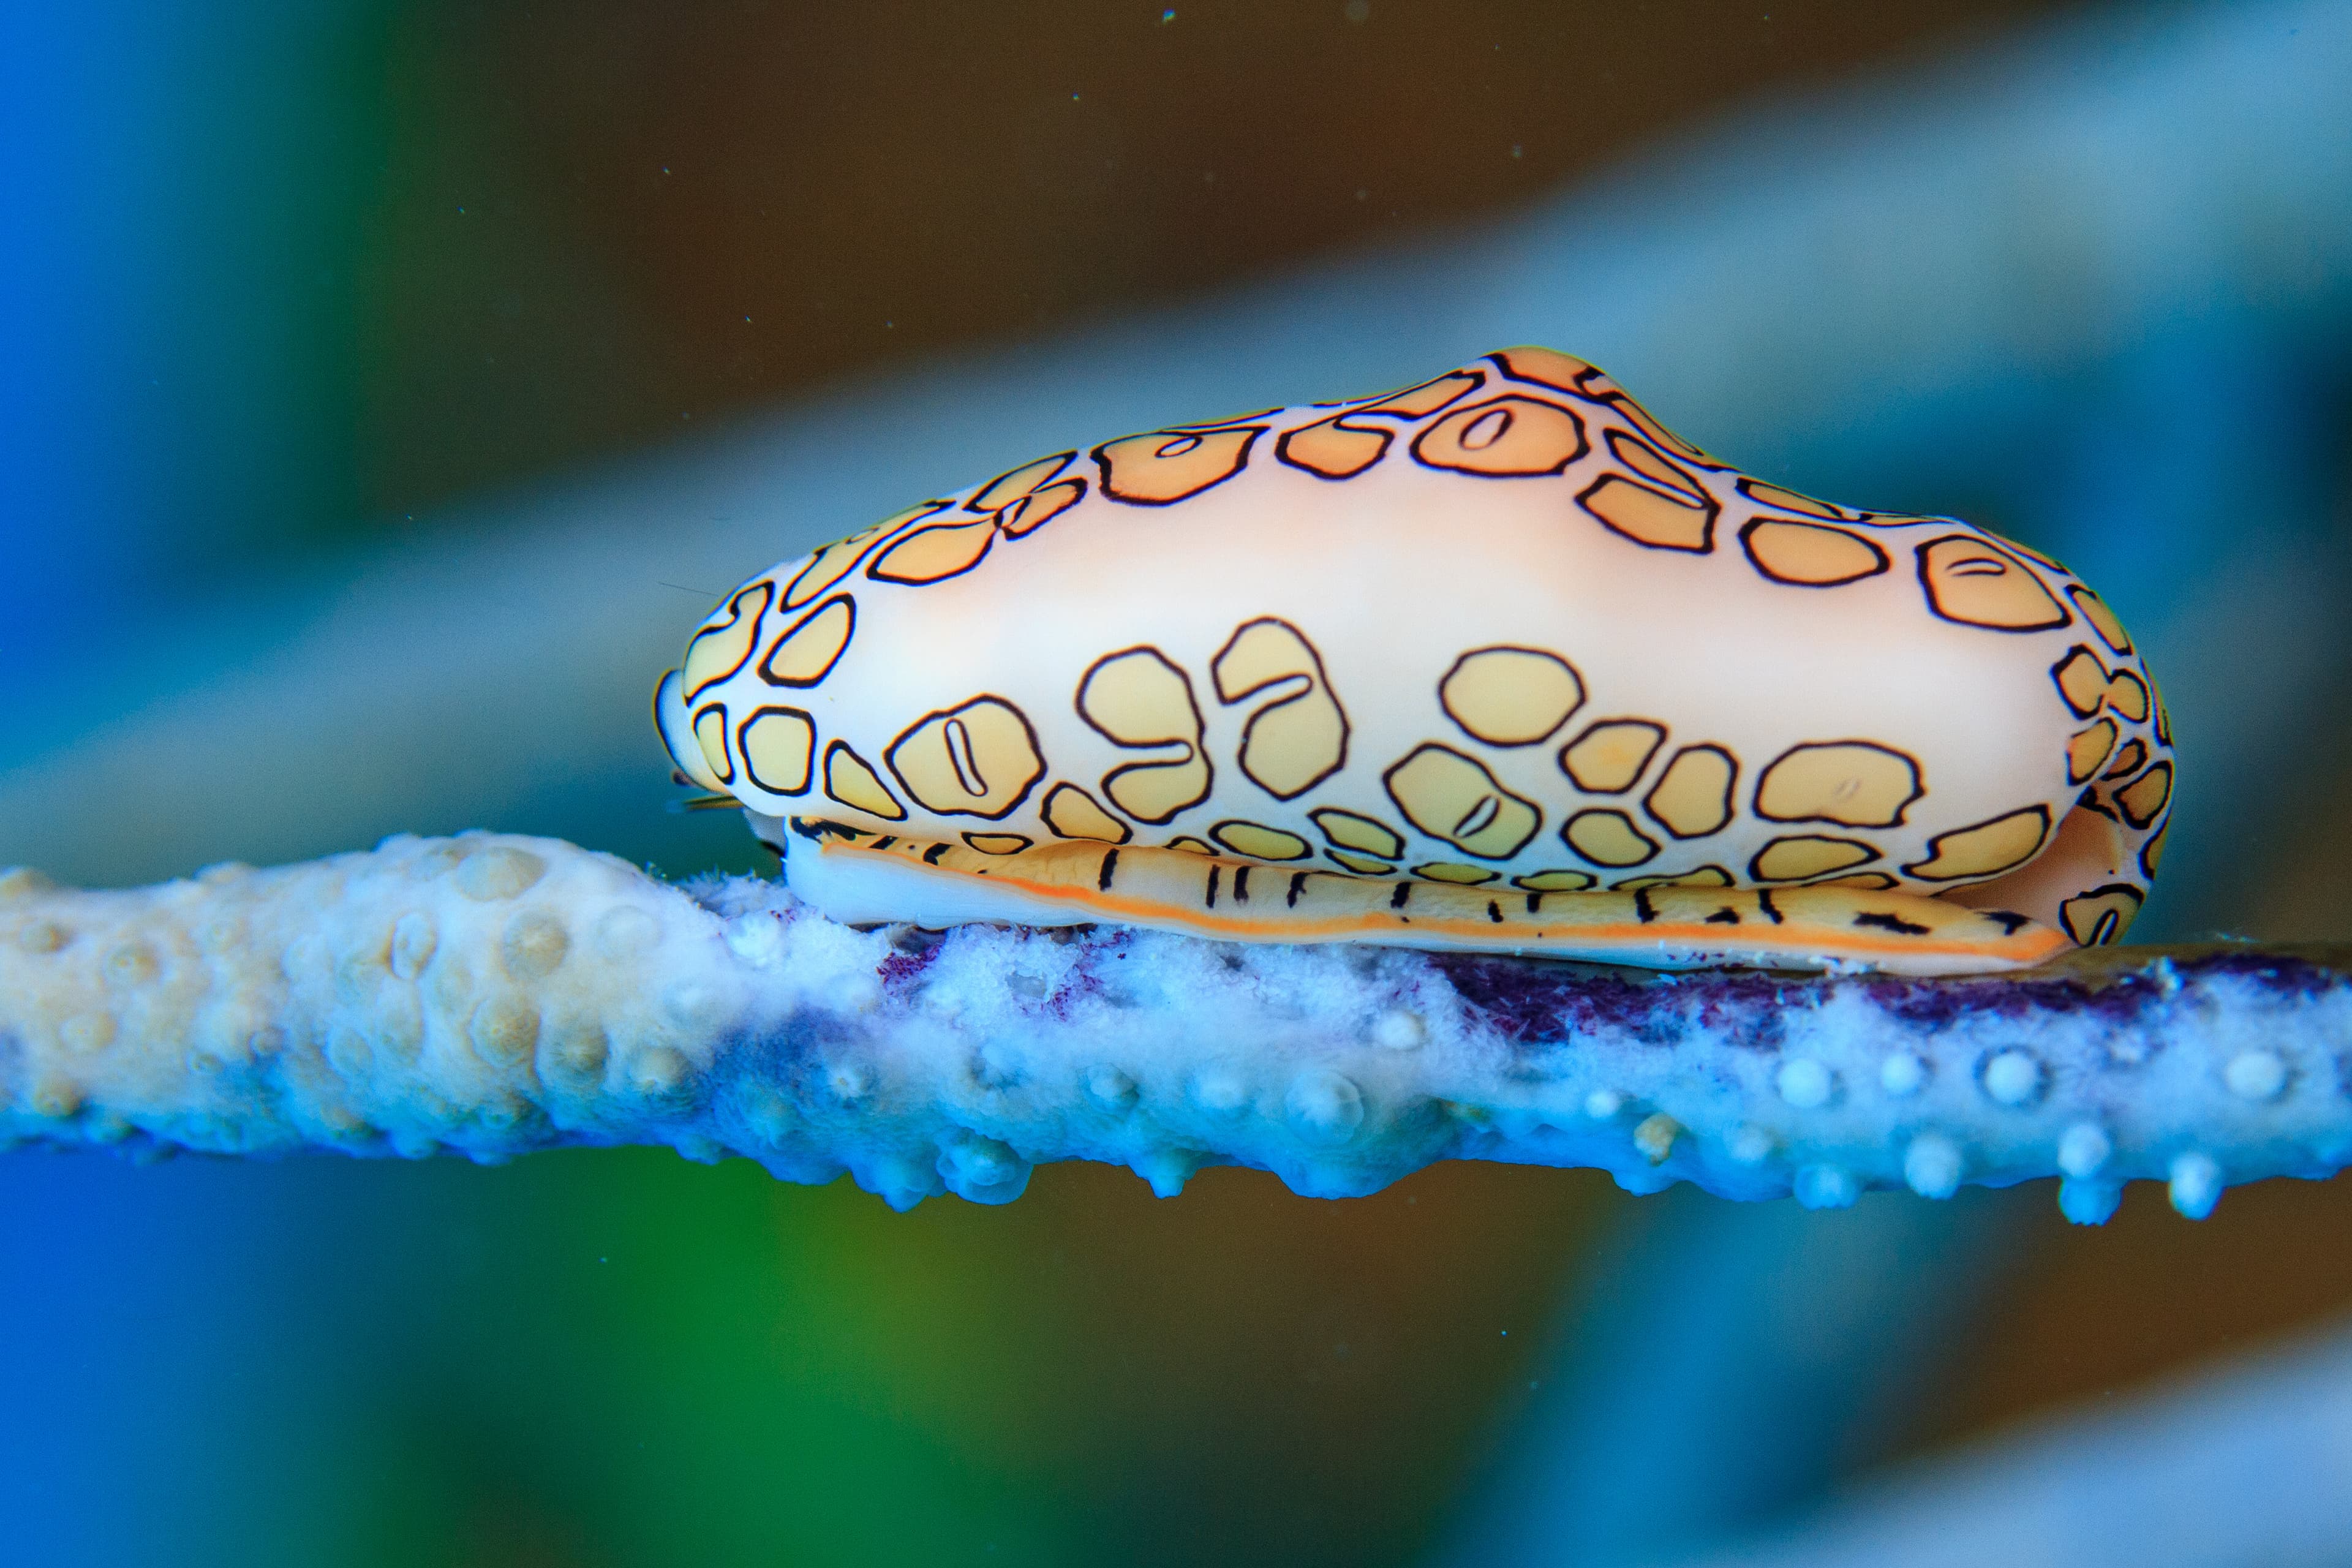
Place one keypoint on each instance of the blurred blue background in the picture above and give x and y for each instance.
(390, 386)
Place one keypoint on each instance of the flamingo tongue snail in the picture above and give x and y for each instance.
(1494, 662)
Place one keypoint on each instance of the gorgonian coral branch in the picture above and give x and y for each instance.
(491, 995)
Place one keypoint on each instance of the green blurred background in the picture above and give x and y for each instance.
(290, 285)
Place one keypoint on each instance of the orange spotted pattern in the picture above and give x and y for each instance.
(1527, 772)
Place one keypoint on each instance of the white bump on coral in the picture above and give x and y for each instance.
(1109, 1087)
(2082, 1149)
(1325, 1106)
(2255, 1074)
(758, 938)
(2013, 1077)
(2196, 1185)
(1901, 1075)
(1932, 1165)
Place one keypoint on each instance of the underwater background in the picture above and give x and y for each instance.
(390, 387)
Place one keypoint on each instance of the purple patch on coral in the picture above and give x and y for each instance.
(1540, 1001)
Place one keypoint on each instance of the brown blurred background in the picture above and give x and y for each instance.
(603, 220)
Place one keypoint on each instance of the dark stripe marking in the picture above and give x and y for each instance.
(1102, 878)
(1771, 911)
(931, 856)
(1896, 923)
(1641, 910)
(1241, 884)
(1493, 911)
(1397, 899)
(1298, 886)
(1214, 873)
(1726, 916)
